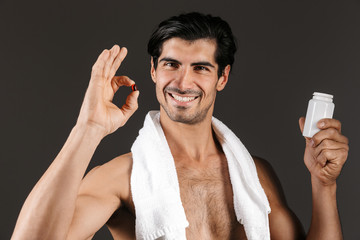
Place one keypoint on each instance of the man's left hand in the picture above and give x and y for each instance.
(326, 152)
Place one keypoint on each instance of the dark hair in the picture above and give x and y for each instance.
(194, 26)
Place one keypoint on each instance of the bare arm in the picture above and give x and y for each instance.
(104, 190)
(325, 154)
(48, 210)
(283, 222)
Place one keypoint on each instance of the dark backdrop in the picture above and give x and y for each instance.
(287, 50)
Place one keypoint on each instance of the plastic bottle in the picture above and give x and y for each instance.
(320, 106)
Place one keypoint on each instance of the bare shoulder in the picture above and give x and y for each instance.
(111, 178)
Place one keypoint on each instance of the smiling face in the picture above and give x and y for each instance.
(186, 79)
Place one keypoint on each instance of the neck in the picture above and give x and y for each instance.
(191, 142)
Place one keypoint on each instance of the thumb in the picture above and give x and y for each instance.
(131, 104)
(301, 123)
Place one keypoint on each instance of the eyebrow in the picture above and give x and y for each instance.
(202, 63)
(167, 59)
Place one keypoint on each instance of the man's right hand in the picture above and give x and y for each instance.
(97, 110)
(51, 210)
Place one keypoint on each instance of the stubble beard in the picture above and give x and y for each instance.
(183, 115)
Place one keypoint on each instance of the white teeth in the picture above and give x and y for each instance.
(183, 99)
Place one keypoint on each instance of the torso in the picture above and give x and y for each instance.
(207, 198)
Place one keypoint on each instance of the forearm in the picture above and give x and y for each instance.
(325, 222)
(48, 210)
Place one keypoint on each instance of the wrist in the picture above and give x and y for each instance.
(90, 130)
(320, 187)
(325, 221)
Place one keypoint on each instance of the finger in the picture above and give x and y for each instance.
(301, 123)
(337, 157)
(131, 104)
(119, 81)
(329, 123)
(331, 134)
(329, 145)
(113, 53)
(116, 83)
(118, 60)
(98, 67)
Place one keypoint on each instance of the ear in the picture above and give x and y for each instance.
(153, 71)
(223, 79)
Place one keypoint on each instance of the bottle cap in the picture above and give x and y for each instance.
(323, 96)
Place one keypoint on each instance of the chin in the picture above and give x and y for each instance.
(182, 115)
(187, 120)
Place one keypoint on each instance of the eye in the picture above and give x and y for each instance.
(171, 64)
(201, 68)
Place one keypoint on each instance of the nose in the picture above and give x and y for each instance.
(185, 79)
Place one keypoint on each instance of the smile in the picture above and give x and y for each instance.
(182, 99)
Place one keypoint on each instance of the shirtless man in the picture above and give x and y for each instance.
(64, 205)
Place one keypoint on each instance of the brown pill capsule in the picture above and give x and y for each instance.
(134, 87)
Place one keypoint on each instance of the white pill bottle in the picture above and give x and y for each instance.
(320, 106)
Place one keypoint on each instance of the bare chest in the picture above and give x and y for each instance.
(207, 197)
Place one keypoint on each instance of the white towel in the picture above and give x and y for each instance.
(155, 186)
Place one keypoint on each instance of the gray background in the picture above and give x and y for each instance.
(287, 50)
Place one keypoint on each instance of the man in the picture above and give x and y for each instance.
(188, 67)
